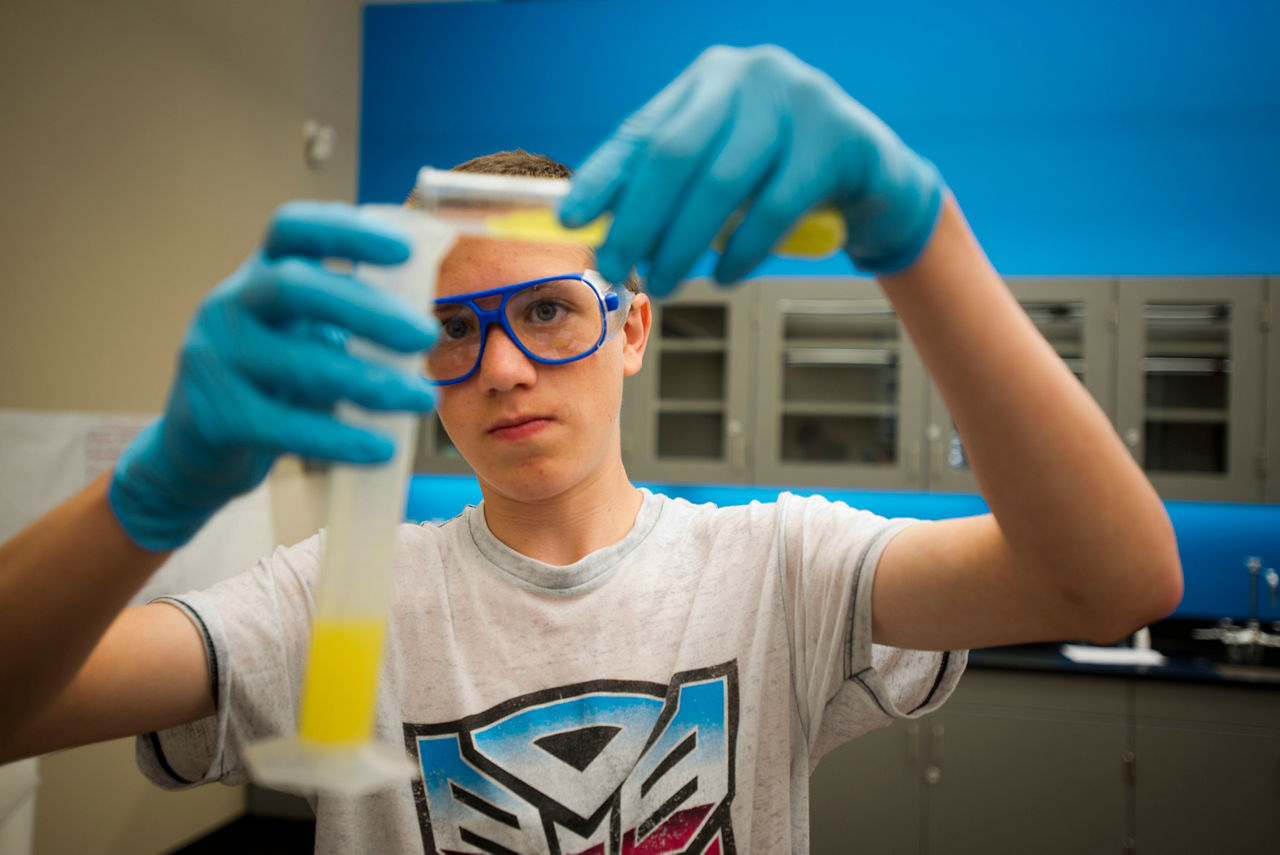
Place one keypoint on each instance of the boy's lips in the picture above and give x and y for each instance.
(518, 427)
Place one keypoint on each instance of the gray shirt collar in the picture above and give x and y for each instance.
(572, 578)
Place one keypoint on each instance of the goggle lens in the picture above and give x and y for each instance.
(555, 320)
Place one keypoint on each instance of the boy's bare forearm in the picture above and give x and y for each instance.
(63, 580)
(1069, 499)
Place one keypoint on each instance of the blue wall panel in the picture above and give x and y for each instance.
(1089, 138)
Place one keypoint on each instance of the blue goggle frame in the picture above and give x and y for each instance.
(608, 296)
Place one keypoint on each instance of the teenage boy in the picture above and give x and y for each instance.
(578, 665)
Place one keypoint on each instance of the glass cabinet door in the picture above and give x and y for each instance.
(435, 453)
(1074, 315)
(685, 413)
(1190, 385)
(840, 394)
(1271, 458)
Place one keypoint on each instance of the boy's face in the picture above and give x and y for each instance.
(534, 431)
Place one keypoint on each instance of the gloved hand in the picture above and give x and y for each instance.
(261, 366)
(755, 128)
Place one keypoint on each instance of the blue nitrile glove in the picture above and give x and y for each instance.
(756, 128)
(260, 368)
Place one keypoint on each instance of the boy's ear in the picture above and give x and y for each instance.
(636, 334)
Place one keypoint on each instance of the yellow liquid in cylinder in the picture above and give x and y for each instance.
(342, 680)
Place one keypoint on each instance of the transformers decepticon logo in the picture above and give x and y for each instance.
(607, 767)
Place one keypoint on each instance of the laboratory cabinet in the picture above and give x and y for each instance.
(839, 388)
(686, 415)
(777, 382)
(1031, 764)
(813, 382)
(1011, 763)
(1025, 761)
(868, 794)
(1179, 366)
(1271, 455)
(1190, 384)
(1207, 769)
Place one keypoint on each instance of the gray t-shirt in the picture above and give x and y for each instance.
(669, 693)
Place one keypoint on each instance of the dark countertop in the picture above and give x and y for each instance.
(1188, 659)
(1200, 669)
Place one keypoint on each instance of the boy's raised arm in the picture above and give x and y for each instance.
(1078, 545)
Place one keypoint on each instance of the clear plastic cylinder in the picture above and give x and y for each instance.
(334, 748)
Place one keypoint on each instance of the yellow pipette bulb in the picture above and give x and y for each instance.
(516, 207)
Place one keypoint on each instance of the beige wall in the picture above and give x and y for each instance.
(144, 146)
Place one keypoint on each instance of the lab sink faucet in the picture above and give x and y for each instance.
(1247, 643)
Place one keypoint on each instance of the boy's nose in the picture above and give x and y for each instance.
(503, 365)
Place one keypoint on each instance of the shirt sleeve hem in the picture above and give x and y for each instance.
(161, 767)
(951, 664)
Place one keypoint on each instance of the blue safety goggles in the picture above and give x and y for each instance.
(553, 320)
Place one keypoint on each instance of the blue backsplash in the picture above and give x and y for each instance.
(1213, 538)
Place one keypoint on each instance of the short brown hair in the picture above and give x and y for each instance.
(520, 162)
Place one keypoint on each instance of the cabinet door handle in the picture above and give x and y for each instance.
(838, 356)
(913, 743)
(737, 442)
(933, 433)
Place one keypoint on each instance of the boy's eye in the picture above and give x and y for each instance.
(456, 327)
(544, 311)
